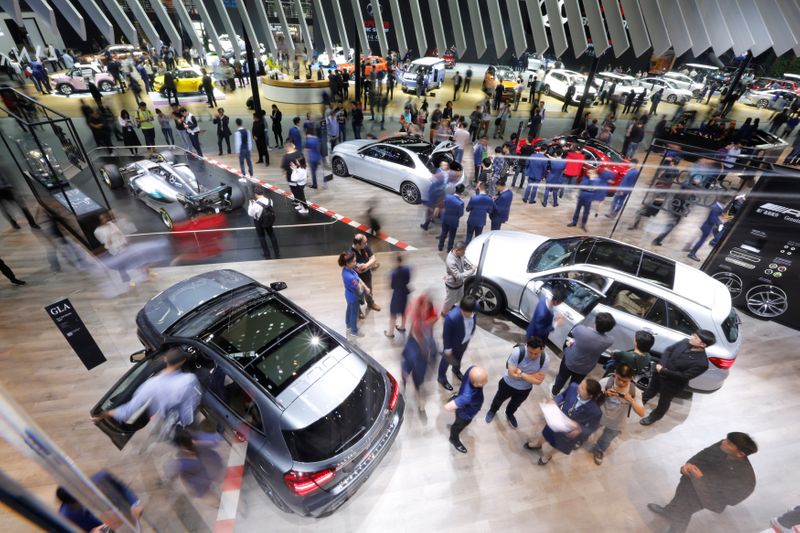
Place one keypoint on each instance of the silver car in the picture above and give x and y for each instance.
(763, 98)
(402, 164)
(673, 93)
(640, 289)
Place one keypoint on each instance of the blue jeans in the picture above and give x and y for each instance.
(473, 231)
(458, 154)
(586, 205)
(631, 150)
(449, 232)
(531, 190)
(168, 135)
(314, 166)
(605, 439)
(244, 155)
(351, 317)
(617, 202)
(705, 231)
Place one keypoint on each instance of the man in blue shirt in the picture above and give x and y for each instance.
(458, 328)
(525, 368)
(713, 220)
(625, 186)
(502, 205)
(453, 211)
(294, 133)
(541, 323)
(467, 403)
(479, 206)
(115, 490)
(554, 177)
(589, 188)
(479, 151)
(535, 170)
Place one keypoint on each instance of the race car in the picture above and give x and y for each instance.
(171, 189)
(187, 80)
(369, 62)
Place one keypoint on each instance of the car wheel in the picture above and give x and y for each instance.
(237, 197)
(106, 86)
(409, 192)
(112, 176)
(65, 89)
(767, 301)
(731, 281)
(491, 298)
(546, 90)
(339, 167)
(762, 104)
(166, 219)
(672, 99)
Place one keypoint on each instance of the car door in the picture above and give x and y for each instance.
(579, 302)
(230, 403)
(365, 163)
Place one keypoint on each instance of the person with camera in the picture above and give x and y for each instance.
(620, 400)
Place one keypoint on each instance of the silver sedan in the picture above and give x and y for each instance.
(640, 289)
(402, 164)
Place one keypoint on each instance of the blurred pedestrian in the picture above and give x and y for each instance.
(128, 131)
(466, 404)
(197, 464)
(118, 493)
(313, 154)
(400, 278)
(451, 215)
(420, 349)
(7, 272)
(8, 197)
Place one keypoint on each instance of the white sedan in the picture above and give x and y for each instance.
(673, 93)
(557, 81)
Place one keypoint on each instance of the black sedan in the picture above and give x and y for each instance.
(318, 413)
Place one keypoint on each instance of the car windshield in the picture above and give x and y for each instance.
(555, 253)
(343, 426)
(730, 326)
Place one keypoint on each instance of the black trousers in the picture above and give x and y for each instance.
(665, 396)
(262, 232)
(506, 391)
(6, 270)
(227, 139)
(212, 100)
(7, 196)
(466, 84)
(299, 193)
(278, 137)
(263, 153)
(564, 374)
(683, 505)
(458, 426)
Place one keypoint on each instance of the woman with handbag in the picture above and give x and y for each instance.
(581, 404)
(353, 286)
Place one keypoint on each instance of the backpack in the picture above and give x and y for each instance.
(522, 352)
(267, 216)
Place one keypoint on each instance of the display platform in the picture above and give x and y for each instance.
(226, 237)
(293, 91)
(184, 98)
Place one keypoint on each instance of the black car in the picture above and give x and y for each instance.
(317, 412)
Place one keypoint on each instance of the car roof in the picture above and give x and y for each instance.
(427, 61)
(615, 75)
(564, 71)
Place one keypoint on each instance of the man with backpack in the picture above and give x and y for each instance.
(525, 368)
(262, 211)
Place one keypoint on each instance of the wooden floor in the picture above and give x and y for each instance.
(423, 484)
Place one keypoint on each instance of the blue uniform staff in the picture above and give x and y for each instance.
(535, 170)
(453, 211)
(479, 206)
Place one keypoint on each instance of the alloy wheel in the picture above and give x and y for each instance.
(767, 301)
(731, 281)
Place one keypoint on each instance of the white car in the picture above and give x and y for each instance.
(557, 81)
(764, 98)
(683, 81)
(339, 57)
(640, 289)
(227, 45)
(622, 83)
(673, 93)
(538, 61)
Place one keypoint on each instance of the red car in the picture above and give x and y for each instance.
(763, 84)
(449, 56)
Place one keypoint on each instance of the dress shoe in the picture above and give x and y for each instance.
(583, 227)
(693, 257)
(571, 225)
(512, 420)
(35, 226)
(646, 421)
(459, 376)
(446, 385)
(489, 417)
(375, 307)
(457, 444)
(658, 509)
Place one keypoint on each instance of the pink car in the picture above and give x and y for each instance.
(76, 78)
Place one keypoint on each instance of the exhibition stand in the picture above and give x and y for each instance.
(294, 91)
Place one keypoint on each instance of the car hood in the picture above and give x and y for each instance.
(506, 251)
(351, 147)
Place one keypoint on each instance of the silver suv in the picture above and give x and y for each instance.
(640, 289)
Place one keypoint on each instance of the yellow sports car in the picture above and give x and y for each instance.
(187, 80)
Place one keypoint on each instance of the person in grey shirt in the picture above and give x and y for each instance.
(620, 401)
(458, 269)
(585, 349)
(525, 368)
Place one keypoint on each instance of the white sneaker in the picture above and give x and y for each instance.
(242, 180)
(298, 207)
(303, 211)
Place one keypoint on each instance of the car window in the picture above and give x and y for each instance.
(595, 281)
(730, 326)
(631, 300)
(374, 151)
(615, 255)
(553, 254)
(578, 296)
(658, 313)
(236, 399)
(679, 320)
(397, 156)
(658, 269)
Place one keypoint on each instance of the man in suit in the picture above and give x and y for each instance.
(223, 129)
(585, 198)
(624, 189)
(466, 403)
(502, 205)
(478, 207)
(535, 170)
(453, 211)
(680, 363)
(713, 220)
(294, 134)
(719, 476)
(208, 88)
(459, 326)
(555, 176)
(541, 323)
(568, 98)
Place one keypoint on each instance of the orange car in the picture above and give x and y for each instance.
(370, 62)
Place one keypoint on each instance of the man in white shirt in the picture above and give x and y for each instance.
(461, 137)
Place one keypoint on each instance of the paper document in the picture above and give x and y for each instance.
(557, 420)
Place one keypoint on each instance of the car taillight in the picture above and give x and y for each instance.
(303, 483)
(395, 392)
(721, 363)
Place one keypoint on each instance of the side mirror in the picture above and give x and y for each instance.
(277, 285)
(138, 357)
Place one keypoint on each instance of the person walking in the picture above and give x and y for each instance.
(222, 122)
(357, 120)
(586, 195)
(501, 120)
(712, 221)
(207, 85)
(129, 137)
(112, 488)
(525, 367)
(459, 326)
(420, 348)
(451, 215)
(502, 205)
(277, 130)
(259, 131)
(581, 403)
(634, 138)
(584, 350)
(146, 122)
(262, 211)
(365, 263)
(620, 400)
(313, 154)
(466, 404)
(8, 196)
(568, 98)
(435, 200)
(243, 146)
(8, 273)
(555, 178)
(655, 100)
(457, 81)
(399, 279)
(353, 286)
(624, 189)
(717, 477)
(680, 363)
(479, 206)
(295, 135)
(166, 127)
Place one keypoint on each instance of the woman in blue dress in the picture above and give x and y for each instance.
(400, 278)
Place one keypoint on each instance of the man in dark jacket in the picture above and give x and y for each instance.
(208, 88)
(458, 329)
(466, 403)
(681, 362)
(718, 476)
(223, 129)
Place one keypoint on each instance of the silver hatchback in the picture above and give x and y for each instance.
(642, 290)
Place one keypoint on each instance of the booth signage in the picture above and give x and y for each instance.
(74, 330)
